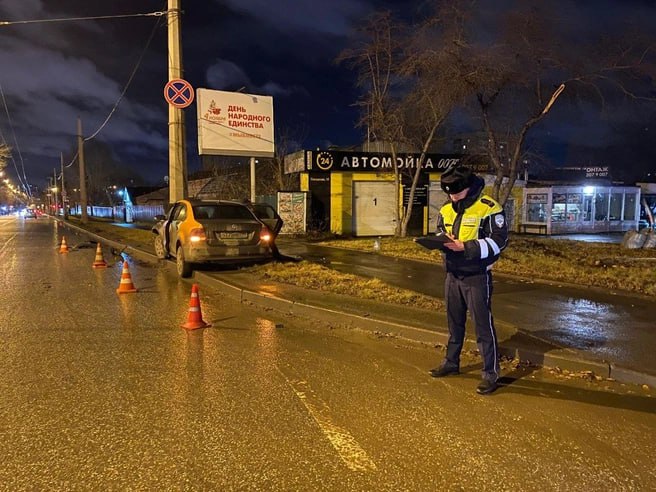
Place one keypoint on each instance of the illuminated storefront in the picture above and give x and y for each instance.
(576, 209)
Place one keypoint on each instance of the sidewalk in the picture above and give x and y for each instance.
(386, 319)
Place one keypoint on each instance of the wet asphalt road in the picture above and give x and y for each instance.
(106, 392)
(614, 328)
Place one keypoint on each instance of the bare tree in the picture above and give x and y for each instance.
(5, 194)
(510, 69)
(5, 153)
(271, 176)
(103, 172)
(287, 141)
(517, 79)
(231, 182)
(433, 91)
(410, 86)
(377, 57)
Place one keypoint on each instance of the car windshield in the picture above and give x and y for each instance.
(222, 211)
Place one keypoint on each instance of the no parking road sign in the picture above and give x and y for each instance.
(179, 93)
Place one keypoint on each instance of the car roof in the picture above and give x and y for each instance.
(194, 202)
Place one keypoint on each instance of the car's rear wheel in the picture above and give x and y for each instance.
(183, 266)
(160, 251)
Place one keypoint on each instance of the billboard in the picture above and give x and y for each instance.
(234, 123)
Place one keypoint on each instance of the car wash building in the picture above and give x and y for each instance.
(354, 193)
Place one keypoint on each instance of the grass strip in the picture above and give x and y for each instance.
(316, 277)
(604, 265)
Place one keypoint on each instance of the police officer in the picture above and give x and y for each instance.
(477, 225)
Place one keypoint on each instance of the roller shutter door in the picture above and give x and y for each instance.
(373, 208)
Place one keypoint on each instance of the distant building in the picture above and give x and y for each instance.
(353, 192)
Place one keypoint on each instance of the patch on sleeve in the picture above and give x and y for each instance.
(499, 220)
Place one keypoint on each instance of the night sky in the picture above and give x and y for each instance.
(52, 73)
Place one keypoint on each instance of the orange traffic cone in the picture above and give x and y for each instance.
(64, 247)
(99, 262)
(126, 286)
(194, 318)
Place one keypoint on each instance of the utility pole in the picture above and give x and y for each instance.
(253, 161)
(84, 218)
(177, 152)
(48, 196)
(63, 191)
(54, 190)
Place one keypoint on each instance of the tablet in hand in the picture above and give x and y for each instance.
(434, 242)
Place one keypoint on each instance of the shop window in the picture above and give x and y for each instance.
(601, 206)
(574, 210)
(559, 207)
(587, 208)
(537, 207)
(615, 210)
(630, 206)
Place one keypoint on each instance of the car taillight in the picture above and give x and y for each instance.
(197, 235)
(265, 234)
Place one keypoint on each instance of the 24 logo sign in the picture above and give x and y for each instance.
(324, 161)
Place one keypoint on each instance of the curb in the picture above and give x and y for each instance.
(571, 363)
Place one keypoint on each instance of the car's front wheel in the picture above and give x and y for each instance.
(183, 266)
(160, 250)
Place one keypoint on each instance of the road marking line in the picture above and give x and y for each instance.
(7, 243)
(348, 449)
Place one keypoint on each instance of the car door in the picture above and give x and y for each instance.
(268, 215)
(178, 215)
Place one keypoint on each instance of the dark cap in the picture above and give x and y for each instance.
(456, 179)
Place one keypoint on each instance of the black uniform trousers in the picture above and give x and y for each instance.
(473, 293)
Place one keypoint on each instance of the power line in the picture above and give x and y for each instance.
(72, 19)
(159, 14)
(23, 179)
(127, 85)
(134, 71)
(72, 160)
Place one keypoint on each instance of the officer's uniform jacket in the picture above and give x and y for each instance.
(480, 223)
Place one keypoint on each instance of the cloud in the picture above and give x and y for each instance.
(47, 90)
(307, 16)
(273, 89)
(21, 10)
(226, 75)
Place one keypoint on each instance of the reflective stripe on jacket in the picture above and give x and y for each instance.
(480, 223)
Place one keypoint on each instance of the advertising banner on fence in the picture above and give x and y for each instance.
(292, 208)
(233, 123)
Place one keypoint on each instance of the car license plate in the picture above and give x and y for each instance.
(232, 252)
(233, 235)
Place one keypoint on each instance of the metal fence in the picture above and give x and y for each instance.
(141, 213)
(145, 213)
